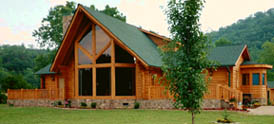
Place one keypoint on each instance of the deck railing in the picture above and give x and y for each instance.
(22, 94)
(226, 93)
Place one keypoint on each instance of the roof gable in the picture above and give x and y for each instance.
(131, 37)
(227, 55)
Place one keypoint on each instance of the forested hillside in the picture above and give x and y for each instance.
(253, 31)
(17, 65)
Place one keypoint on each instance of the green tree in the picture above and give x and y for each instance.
(266, 56)
(185, 56)
(14, 82)
(223, 42)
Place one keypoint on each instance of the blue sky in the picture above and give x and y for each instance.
(19, 18)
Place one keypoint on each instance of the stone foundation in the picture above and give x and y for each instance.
(262, 101)
(115, 104)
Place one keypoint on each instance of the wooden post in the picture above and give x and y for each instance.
(113, 92)
(22, 97)
(36, 93)
(49, 91)
(8, 93)
(217, 91)
(93, 42)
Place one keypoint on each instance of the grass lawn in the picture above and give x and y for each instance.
(43, 115)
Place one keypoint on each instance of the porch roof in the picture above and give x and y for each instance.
(45, 70)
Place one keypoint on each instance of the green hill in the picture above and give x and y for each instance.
(253, 31)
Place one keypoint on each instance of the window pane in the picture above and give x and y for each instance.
(86, 41)
(122, 56)
(82, 58)
(255, 79)
(245, 79)
(85, 82)
(103, 84)
(263, 79)
(105, 57)
(102, 39)
(125, 81)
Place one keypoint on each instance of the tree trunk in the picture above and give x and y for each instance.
(193, 116)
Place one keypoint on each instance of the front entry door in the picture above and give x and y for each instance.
(61, 88)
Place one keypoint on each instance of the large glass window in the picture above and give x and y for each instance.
(263, 79)
(83, 58)
(85, 82)
(245, 79)
(125, 81)
(102, 39)
(86, 41)
(255, 79)
(103, 82)
(122, 56)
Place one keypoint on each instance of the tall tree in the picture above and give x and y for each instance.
(266, 56)
(185, 56)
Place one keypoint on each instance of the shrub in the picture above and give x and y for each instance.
(68, 103)
(83, 104)
(11, 105)
(232, 100)
(3, 98)
(225, 118)
(136, 105)
(59, 103)
(93, 105)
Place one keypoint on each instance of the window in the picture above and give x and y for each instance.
(43, 82)
(245, 79)
(122, 56)
(82, 58)
(103, 82)
(125, 81)
(85, 82)
(263, 79)
(94, 55)
(255, 79)
(86, 43)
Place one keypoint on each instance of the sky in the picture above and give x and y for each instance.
(19, 18)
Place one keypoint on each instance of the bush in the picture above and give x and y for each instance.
(83, 104)
(68, 103)
(3, 98)
(93, 105)
(59, 103)
(136, 105)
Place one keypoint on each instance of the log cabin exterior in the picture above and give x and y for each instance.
(270, 92)
(112, 63)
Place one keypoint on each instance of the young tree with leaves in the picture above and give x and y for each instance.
(185, 56)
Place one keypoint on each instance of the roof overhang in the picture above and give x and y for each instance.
(264, 66)
(67, 39)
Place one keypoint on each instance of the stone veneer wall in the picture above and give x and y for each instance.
(115, 104)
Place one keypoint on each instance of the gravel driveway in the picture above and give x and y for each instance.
(263, 110)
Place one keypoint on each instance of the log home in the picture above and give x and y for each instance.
(112, 63)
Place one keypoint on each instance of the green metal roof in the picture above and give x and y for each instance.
(270, 84)
(45, 70)
(131, 36)
(226, 55)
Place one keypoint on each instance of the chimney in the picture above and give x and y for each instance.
(66, 22)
